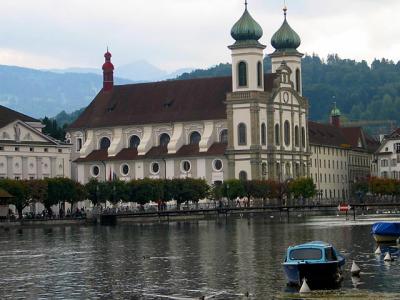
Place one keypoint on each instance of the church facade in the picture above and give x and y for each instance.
(251, 125)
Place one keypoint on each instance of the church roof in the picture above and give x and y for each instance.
(246, 31)
(8, 115)
(286, 39)
(160, 102)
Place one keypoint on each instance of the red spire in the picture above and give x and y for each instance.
(108, 72)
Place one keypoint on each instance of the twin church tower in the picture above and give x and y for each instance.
(267, 115)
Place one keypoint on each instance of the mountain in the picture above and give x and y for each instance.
(43, 93)
(138, 71)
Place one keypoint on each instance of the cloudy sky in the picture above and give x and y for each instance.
(173, 34)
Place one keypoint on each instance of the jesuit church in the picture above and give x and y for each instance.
(252, 125)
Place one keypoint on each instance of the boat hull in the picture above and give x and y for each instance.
(385, 238)
(318, 275)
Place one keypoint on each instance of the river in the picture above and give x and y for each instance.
(218, 259)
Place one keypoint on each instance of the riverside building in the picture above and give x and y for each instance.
(27, 153)
(251, 125)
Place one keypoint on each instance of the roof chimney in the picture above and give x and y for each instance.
(108, 72)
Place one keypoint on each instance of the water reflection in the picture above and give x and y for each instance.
(223, 259)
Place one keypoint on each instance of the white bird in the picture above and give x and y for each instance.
(388, 257)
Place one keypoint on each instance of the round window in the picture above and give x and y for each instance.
(155, 168)
(95, 171)
(186, 166)
(217, 165)
(125, 169)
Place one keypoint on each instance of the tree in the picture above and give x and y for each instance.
(234, 188)
(145, 190)
(97, 192)
(302, 188)
(37, 190)
(119, 191)
(20, 192)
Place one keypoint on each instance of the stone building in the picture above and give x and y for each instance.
(27, 153)
(388, 156)
(340, 157)
(251, 125)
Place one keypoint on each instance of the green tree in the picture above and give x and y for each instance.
(302, 188)
(119, 191)
(20, 192)
(234, 188)
(97, 192)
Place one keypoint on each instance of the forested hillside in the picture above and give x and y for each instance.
(361, 91)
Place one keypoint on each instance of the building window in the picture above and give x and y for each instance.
(78, 144)
(59, 150)
(263, 134)
(1, 148)
(217, 165)
(125, 169)
(287, 133)
(155, 168)
(195, 138)
(164, 140)
(242, 176)
(134, 142)
(46, 150)
(296, 136)
(303, 137)
(105, 143)
(242, 71)
(277, 135)
(397, 147)
(223, 136)
(31, 149)
(95, 171)
(298, 81)
(16, 149)
(186, 166)
(259, 73)
(242, 136)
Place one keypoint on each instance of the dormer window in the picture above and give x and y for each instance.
(164, 139)
(105, 143)
(195, 138)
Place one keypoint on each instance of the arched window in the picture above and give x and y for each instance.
(242, 176)
(195, 138)
(287, 133)
(298, 81)
(242, 138)
(259, 74)
(242, 71)
(164, 139)
(105, 143)
(223, 136)
(296, 136)
(263, 134)
(303, 137)
(134, 142)
(277, 135)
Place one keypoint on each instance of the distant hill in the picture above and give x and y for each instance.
(43, 93)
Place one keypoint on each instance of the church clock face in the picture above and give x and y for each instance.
(286, 97)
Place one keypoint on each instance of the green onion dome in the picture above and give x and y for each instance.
(246, 29)
(285, 39)
(335, 112)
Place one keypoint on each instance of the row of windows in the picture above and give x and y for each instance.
(31, 149)
(164, 139)
(331, 194)
(329, 151)
(286, 132)
(394, 162)
(330, 178)
(393, 175)
(329, 164)
(242, 135)
(185, 165)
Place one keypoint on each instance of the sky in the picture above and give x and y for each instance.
(174, 34)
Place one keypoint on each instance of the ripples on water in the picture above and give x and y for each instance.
(222, 259)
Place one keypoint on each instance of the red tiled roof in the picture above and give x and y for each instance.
(95, 155)
(326, 134)
(8, 115)
(160, 102)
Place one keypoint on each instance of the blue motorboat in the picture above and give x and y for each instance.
(386, 232)
(319, 263)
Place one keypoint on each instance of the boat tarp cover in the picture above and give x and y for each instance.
(386, 229)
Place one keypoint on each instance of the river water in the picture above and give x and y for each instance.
(218, 259)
